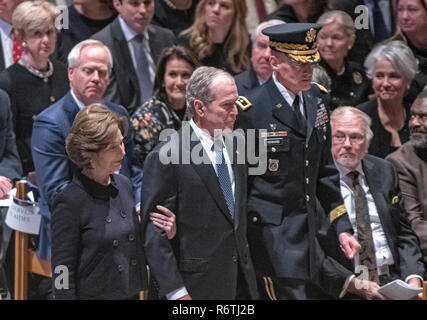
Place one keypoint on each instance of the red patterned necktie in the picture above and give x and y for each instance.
(17, 47)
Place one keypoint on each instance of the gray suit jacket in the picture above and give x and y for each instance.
(123, 88)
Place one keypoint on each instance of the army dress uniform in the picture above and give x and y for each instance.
(287, 224)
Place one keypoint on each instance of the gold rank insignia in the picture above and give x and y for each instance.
(395, 200)
(357, 77)
(243, 103)
(311, 35)
(337, 212)
(322, 88)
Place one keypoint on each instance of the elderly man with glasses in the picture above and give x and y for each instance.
(370, 189)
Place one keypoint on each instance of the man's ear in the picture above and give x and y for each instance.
(199, 108)
(70, 73)
(274, 62)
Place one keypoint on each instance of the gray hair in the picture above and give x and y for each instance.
(340, 17)
(74, 55)
(262, 26)
(339, 112)
(200, 86)
(399, 55)
(320, 76)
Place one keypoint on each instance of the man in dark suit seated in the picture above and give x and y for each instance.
(410, 161)
(370, 189)
(136, 45)
(209, 257)
(260, 70)
(89, 69)
(10, 168)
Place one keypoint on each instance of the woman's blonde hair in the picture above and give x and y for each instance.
(33, 15)
(236, 43)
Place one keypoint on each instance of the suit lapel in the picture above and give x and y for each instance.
(209, 178)
(70, 106)
(282, 111)
(375, 183)
(121, 52)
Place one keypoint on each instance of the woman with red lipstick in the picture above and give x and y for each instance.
(34, 81)
(412, 28)
(166, 109)
(218, 36)
(391, 66)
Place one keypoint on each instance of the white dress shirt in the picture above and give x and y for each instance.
(289, 96)
(129, 35)
(7, 43)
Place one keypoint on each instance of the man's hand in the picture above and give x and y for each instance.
(416, 283)
(349, 245)
(365, 289)
(5, 186)
(165, 221)
(186, 297)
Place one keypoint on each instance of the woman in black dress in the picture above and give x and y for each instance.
(35, 81)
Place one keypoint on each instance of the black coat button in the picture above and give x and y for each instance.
(131, 237)
(134, 262)
(120, 268)
(123, 214)
(115, 243)
(108, 219)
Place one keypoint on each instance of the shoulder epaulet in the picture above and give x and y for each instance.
(243, 103)
(322, 88)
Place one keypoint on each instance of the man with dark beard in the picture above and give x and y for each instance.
(410, 161)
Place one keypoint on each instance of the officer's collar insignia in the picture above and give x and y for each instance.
(243, 103)
(311, 35)
(273, 126)
(273, 165)
(279, 105)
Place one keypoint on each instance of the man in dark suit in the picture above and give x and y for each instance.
(260, 70)
(370, 189)
(89, 67)
(380, 23)
(10, 48)
(286, 203)
(10, 168)
(136, 45)
(209, 257)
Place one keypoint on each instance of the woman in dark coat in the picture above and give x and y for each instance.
(35, 81)
(349, 84)
(96, 234)
(391, 66)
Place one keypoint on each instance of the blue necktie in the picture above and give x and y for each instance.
(224, 177)
(143, 72)
(380, 30)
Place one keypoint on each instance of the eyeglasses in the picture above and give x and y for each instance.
(354, 138)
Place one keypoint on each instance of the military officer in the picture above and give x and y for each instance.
(287, 204)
